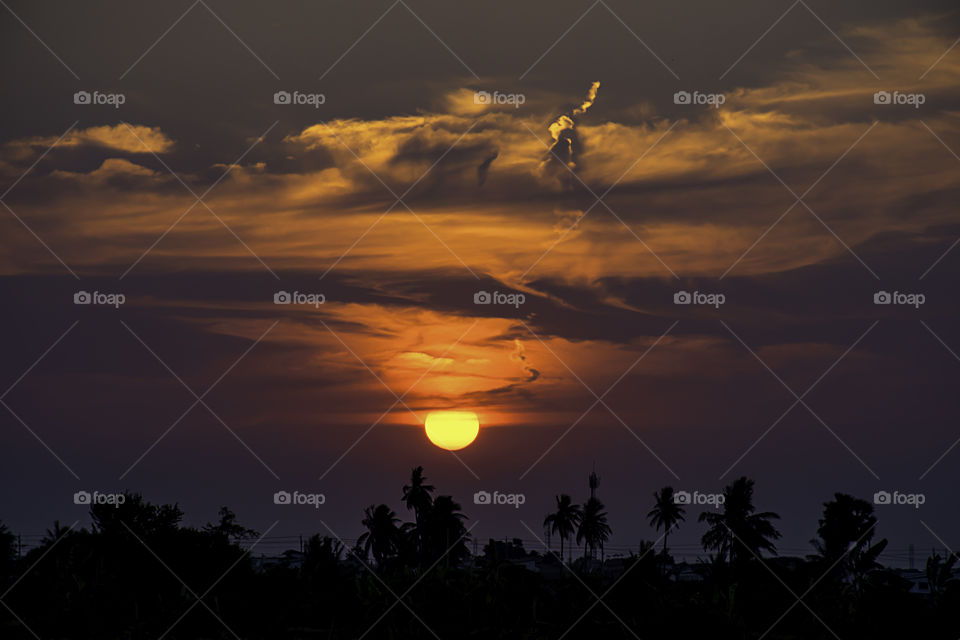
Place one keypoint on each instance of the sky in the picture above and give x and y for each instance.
(784, 164)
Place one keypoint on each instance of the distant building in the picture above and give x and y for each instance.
(919, 584)
(686, 572)
(289, 559)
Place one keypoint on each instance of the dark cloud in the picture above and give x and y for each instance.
(484, 167)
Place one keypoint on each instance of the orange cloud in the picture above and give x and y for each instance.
(120, 137)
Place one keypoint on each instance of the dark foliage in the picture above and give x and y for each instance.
(138, 573)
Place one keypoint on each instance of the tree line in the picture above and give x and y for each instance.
(138, 572)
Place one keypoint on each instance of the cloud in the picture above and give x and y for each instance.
(463, 102)
(120, 137)
(679, 181)
(418, 359)
(484, 167)
(519, 355)
(563, 131)
(589, 100)
(110, 169)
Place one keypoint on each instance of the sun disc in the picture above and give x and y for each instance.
(452, 430)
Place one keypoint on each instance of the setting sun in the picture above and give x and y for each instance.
(452, 430)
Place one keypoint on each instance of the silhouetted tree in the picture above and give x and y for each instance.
(593, 530)
(8, 551)
(228, 529)
(143, 518)
(864, 562)
(382, 539)
(939, 573)
(55, 533)
(444, 534)
(321, 556)
(417, 496)
(666, 513)
(111, 582)
(499, 551)
(846, 532)
(737, 533)
(565, 520)
(846, 521)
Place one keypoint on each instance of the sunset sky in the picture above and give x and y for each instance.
(402, 196)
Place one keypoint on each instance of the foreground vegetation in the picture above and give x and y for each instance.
(138, 573)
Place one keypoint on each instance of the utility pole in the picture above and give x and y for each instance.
(594, 485)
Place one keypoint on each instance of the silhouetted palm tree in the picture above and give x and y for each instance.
(70, 585)
(57, 532)
(593, 530)
(416, 495)
(444, 533)
(737, 533)
(382, 538)
(565, 520)
(666, 513)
